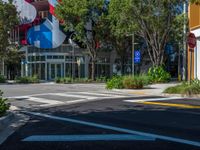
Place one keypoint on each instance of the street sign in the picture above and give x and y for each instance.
(192, 41)
(137, 56)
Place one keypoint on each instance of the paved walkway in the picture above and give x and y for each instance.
(154, 89)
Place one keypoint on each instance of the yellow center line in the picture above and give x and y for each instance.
(171, 105)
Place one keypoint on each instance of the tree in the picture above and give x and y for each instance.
(151, 20)
(195, 1)
(84, 17)
(8, 19)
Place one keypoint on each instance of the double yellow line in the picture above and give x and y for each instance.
(171, 105)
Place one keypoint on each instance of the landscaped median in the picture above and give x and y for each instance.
(128, 82)
(155, 74)
(190, 88)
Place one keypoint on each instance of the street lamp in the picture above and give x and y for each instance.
(73, 44)
(184, 41)
(133, 52)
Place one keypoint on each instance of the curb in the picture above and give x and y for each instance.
(5, 120)
(11, 122)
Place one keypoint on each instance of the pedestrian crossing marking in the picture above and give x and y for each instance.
(47, 102)
(75, 95)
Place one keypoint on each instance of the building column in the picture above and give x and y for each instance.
(31, 70)
(22, 69)
(197, 61)
(3, 67)
(64, 69)
(46, 70)
(26, 63)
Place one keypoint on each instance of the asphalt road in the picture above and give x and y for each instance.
(110, 121)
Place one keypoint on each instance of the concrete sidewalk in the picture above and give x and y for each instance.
(153, 90)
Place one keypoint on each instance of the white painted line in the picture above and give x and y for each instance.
(79, 101)
(25, 96)
(74, 95)
(75, 138)
(156, 136)
(46, 101)
(153, 99)
(102, 94)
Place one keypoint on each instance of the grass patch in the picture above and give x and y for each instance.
(186, 88)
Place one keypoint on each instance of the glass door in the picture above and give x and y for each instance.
(52, 71)
(55, 71)
(58, 70)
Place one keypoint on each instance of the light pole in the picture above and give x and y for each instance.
(184, 41)
(73, 55)
(133, 52)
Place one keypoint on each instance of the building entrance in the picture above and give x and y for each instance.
(55, 71)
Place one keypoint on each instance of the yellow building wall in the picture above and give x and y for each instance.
(194, 17)
(194, 23)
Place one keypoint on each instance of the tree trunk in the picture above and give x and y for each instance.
(93, 69)
(123, 65)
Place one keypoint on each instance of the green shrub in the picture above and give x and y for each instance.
(158, 75)
(67, 80)
(116, 82)
(186, 88)
(146, 79)
(3, 105)
(58, 80)
(2, 79)
(63, 80)
(25, 80)
(130, 82)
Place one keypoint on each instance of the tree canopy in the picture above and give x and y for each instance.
(152, 20)
(84, 18)
(195, 1)
(8, 20)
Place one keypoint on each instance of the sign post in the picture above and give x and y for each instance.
(192, 44)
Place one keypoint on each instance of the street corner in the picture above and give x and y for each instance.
(11, 122)
(6, 120)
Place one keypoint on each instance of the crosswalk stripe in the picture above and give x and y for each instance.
(102, 94)
(74, 95)
(46, 102)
